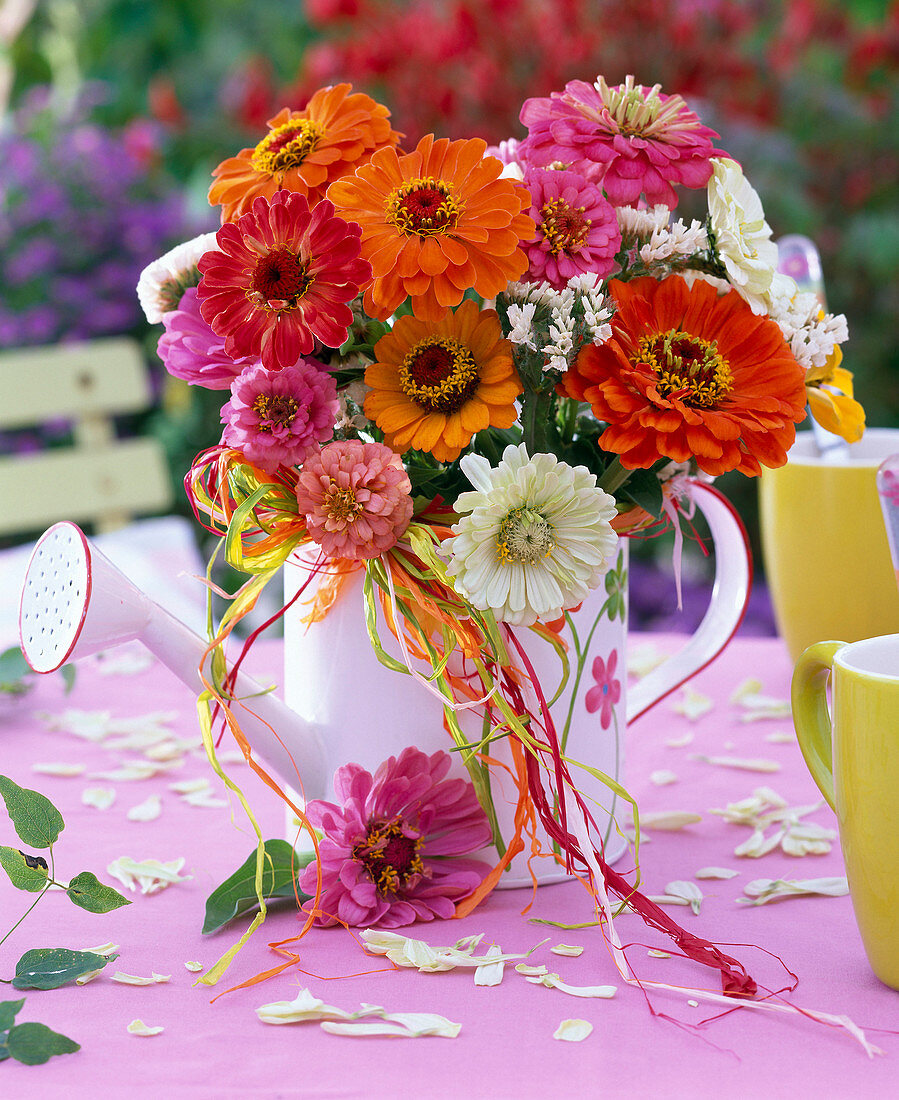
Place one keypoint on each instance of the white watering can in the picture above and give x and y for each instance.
(344, 706)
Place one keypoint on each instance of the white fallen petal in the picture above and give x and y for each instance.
(189, 786)
(166, 750)
(194, 967)
(230, 756)
(747, 811)
(573, 1031)
(655, 953)
(662, 777)
(770, 711)
(151, 875)
(761, 891)
(136, 979)
(567, 949)
(138, 1027)
(553, 981)
(405, 1025)
(102, 949)
(138, 770)
(667, 899)
(748, 687)
(692, 704)
(754, 764)
(531, 971)
(668, 820)
(305, 1006)
(148, 810)
(59, 769)
(406, 951)
(101, 798)
(715, 872)
(681, 740)
(693, 1004)
(490, 973)
(689, 891)
(123, 661)
(93, 725)
(204, 799)
(758, 844)
(781, 737)
(642, 659)
(83, 979)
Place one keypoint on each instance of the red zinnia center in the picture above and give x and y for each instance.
(280, 279)
(687, 368)
(425, 207)
(274, 411)
(439, 374)
(390, 852)
(564, 226)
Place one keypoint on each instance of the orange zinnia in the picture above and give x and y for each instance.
(434, 223)
(304, 151)
(687, 374)
(435, 384)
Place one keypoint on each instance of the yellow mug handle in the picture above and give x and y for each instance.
(810, 714)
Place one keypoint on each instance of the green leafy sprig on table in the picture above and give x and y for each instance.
(17, 677)
(38, 823)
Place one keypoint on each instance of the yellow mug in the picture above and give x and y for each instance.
(852, 752)
(824, 546)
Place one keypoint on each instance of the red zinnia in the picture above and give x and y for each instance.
(282, 280)
(687, 374)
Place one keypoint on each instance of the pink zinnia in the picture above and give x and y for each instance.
(390, 854)
(634, 140)
(278, 418)
(190, 350)
(577, 231)
(282, 278)
(355, 497)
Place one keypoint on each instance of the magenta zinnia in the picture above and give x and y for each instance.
(392, 848)
(631, 139)
(278, 418)
(355, 497)
(190, 350)
(282, 279)
(577, 231)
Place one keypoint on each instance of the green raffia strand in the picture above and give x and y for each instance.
(221, 965)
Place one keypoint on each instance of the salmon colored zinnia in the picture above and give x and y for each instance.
(304, 151)
(689, 374)
(434, 385)
(434, 223)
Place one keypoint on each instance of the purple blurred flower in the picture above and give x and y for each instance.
(392, 851)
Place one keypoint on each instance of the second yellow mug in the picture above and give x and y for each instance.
(852, 752)
(827, 559)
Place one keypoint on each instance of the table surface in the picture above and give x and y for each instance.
(657, 1045)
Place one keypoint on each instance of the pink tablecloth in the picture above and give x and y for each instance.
(505, 1048)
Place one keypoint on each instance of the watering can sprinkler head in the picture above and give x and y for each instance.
(75, 602)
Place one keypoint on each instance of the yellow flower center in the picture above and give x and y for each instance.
(423, 207)
(390, 855)
(280, 280)
(687, 368)
(286, 146)
(274, 410)
(341, 504)
(525, 536)
(439, 374)
(564, 226)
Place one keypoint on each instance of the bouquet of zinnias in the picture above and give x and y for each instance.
(467, 371)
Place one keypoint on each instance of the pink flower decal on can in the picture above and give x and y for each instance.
(606, 692)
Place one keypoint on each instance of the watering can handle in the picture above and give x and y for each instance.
(727, 606)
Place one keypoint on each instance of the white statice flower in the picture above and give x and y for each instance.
(537, 537)
(562, 324)
(541, 294)
(678, 239)
(597, 312)
(162, 282)
(639, 224)
(521, 320)
(811, 333)
(743, 237)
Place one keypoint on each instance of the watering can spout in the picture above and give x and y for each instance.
(76, 602)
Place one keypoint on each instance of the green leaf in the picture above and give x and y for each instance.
(35, 1044)
(51, 967)
(644, 489)
(68, 676)
(87, 892)
(237, 894)
(25, 872)
(8, 1010)
(36, 820)
(14, 671)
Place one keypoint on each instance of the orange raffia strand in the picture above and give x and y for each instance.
(328, 591)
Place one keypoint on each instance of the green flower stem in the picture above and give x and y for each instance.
(25, 914)
(614, 476)
(536, 411)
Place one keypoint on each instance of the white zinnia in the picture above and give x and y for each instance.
(743, 237)
(537, 538)
(175, 268)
